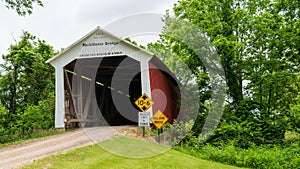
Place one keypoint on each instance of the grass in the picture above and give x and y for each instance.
(262, 157)
(133, 148)
(95, 157)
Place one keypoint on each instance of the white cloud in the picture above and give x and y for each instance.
(109, 10)
(61, 23)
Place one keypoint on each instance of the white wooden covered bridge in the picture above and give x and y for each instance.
(99, 77)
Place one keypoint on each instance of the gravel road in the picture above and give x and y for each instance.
(14, 156)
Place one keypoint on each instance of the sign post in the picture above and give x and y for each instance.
(159, 119)
(144, 103)
(144, 120)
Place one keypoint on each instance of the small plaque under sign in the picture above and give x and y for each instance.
(144, 119)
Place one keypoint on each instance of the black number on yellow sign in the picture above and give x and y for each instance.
(141, 102)
(144, 102)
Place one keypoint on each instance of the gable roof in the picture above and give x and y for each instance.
(90, 34)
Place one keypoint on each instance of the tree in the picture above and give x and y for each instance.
(295, 115)
(3, 116)
(258, 43)
(184, 64)
(37, 117)
(26, 78)
(23, 7)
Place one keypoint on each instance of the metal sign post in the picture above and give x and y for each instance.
(144, 103)
(159, 119)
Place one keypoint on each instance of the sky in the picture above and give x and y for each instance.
(62, 22)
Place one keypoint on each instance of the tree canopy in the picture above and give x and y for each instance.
(26, 88)
(258, 44)
(24, 7)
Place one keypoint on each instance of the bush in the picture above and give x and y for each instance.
(178, 131)
(35, 121)
(40, 116)
(254, 157)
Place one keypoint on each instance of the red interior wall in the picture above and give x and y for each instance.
(159, 81)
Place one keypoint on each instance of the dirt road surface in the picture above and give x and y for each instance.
(17, 155)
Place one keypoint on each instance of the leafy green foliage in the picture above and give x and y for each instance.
(295, 115)
(26, 89)
(39, 116)
(23, 7)
(178, 131)
(258, 44)
(3, 114)
(253, 157)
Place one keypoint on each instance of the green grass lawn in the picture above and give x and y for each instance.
(95, 157)
(133, 148)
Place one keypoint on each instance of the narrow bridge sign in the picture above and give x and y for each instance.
(159, 119)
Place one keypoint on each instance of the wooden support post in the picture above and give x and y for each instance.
(87, 104)
(158, 135)
(143, 131)
(159, 131)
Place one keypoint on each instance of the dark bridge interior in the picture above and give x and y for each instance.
(102, 91)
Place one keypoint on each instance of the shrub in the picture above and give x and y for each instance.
(254, 157)
(40, 116)
(178, 131)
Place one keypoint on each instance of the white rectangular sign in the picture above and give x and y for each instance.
(144, 119)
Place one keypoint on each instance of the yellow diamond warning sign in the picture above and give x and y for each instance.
(144, 102)
(159, 119)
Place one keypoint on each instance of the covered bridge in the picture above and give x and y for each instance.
(99, 77)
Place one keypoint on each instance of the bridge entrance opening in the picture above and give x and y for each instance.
(102, 91)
